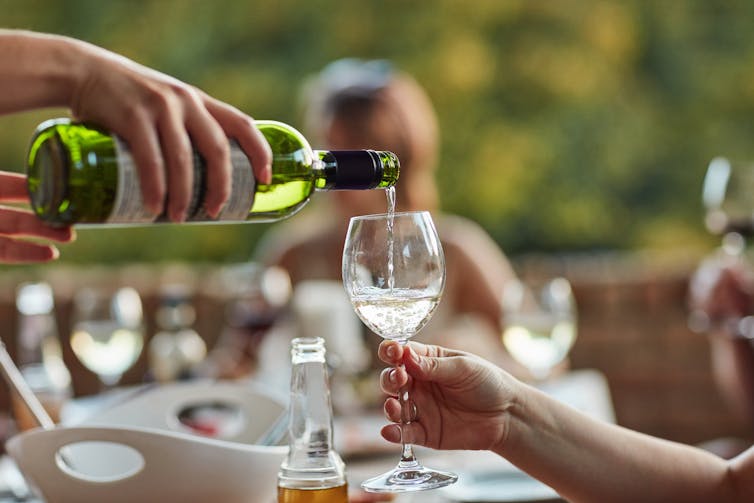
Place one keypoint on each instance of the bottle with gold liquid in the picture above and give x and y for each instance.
(312, 472)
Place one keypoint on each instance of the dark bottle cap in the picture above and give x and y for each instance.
(357, 169)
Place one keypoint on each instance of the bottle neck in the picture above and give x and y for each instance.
(311, 460)
(355, 169)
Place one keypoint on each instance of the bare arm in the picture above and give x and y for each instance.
(157, 115)
(464, 402)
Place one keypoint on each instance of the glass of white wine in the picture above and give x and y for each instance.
(107, 333)
(539, 330)
(394, 275)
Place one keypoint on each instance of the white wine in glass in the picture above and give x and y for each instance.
(539, 331)
(394, 275)
(108, 331)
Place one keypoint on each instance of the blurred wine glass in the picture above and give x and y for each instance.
(39, 356)
(176, 349)
(107, 334)
(727, 198)
(539, 324)
(255, 297)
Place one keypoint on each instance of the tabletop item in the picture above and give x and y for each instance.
(394, 274)
(176, 349)
(727, 199)
(81, 174)
(140, 450)
(312, 471)
(39, 354)
(107, 333)
(539, 323)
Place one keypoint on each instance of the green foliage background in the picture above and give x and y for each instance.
(567, 126)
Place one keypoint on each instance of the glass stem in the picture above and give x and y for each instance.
(408, 459)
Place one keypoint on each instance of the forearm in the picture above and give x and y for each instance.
(37, 70)
(587, 460)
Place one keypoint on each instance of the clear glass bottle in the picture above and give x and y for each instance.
(39, 353)
(312, 472)
(78, 173)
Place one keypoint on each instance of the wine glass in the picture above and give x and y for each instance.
(107, 334)
(727, 199)
(394, 275)
(539, 330)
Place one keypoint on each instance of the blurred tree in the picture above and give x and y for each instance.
(569, 126)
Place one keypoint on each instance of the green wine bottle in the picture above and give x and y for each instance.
(80, 174)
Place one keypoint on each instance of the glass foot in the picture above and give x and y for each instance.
(406, 479)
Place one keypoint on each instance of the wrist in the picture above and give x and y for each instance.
(514, 417)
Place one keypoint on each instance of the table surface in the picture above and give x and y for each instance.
(483, 476)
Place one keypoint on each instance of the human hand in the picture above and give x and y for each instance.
(462, 401)
(19, 223)
(160, 117)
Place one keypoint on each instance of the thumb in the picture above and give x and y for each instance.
(439, 369)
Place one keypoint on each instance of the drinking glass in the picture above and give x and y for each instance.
(107, 334)
(727, 199)
(394, 275)
(539, 330)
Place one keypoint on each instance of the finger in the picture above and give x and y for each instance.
(179, 164)
(435, 365)
(20, 222)
(392, 409)
(144, 145)
(13, 187)
(24, 252)
(413, 433)
(390, 352)
(392, 380)
(211, 141)
(240, 127)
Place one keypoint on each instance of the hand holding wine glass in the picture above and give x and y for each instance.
(108, 331)
(394, 275)
(539, 330)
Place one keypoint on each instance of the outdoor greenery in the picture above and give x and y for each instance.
(567, 126)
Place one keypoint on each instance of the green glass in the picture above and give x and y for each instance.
(73, 174)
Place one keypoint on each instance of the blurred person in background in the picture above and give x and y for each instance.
(357, 104)
(721, 301)
(157, 115)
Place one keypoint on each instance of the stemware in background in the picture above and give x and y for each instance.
(255, 297)
(539, 325)
(727, 198)
(394, 275)
(107, 334)
(176, 349)
(39, 354)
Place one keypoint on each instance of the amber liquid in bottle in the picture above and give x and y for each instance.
(312, 472)
(330, 495)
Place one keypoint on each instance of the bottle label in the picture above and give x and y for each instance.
(242, 186)
(128, 206)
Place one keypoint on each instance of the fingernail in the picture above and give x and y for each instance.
(393, 376)
(391, 351)
(55, 252)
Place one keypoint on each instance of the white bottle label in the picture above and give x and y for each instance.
(242, 186)
(128, 206)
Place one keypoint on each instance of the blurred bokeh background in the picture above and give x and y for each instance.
(568, 127)
(576, 132)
